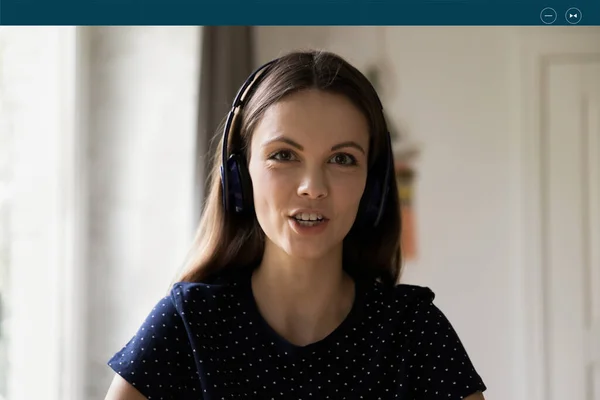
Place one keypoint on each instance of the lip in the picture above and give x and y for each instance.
(308, 230)
(309, 211)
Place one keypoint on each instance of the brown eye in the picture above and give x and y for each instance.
(343, 159)
(283, 155)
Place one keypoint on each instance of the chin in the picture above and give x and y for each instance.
(309, 251)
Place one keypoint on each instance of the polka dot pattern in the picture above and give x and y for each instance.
(209, 341)
(159, 360)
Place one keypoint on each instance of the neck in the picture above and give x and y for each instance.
(303, 300)
(301, 275)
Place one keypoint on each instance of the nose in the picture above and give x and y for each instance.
(313, 185)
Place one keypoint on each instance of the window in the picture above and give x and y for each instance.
(38, 328)
(5, 176)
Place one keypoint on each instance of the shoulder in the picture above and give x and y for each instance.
(416, 310)
(399, 307)
(412, 295)
(221, 288)
(204, 304)
(438, 361)
(415, 303)
(158, 359)
(404, 299)
(410, 310)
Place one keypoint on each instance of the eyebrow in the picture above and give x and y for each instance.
(301, 148)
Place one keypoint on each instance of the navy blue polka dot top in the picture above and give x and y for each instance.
(209, 341)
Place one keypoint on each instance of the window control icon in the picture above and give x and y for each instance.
(548, 15)
(573, 15)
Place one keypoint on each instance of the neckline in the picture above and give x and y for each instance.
(278, 341)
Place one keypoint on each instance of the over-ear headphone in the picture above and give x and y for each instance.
(237, 185)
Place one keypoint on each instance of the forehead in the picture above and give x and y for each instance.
(314, 117)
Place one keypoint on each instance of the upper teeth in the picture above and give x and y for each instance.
(308, 217)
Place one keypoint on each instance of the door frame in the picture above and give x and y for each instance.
(534, 51)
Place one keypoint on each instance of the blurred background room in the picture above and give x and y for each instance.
(104, 133)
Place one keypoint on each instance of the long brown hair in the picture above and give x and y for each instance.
(224, 241)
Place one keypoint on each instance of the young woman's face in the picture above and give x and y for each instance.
(308, 166)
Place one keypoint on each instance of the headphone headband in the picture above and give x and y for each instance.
(238, 102)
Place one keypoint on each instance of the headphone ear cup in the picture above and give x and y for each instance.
(369, 205)
(240, 185)
(246, 185)
(377, 189)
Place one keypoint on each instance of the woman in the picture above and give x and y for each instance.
(291, 291)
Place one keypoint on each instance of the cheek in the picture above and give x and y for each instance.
(349, 191)
(270, 189)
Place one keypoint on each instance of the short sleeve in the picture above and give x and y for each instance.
(158, 360)
(440, 367)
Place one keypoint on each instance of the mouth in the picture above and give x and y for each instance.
(308, 218)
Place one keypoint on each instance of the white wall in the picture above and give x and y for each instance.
(453, 92)
(143, 107)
